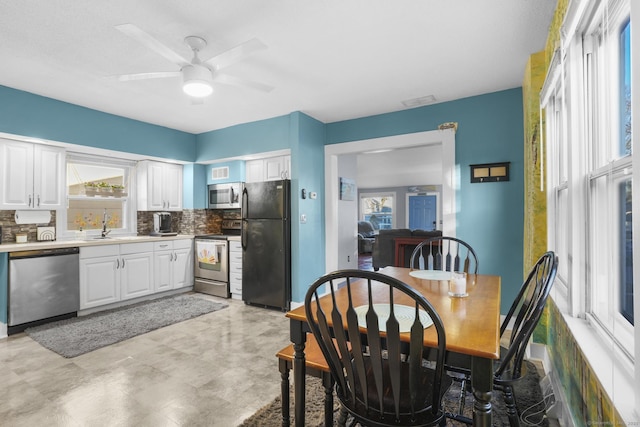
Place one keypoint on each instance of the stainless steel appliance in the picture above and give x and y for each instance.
(224, 196)
(266, 244)
(162, 224)
(212, 265)
(43, 284)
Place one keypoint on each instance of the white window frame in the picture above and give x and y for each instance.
(567, 89)
(129, 216)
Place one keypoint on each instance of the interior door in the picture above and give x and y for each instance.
(423, 212)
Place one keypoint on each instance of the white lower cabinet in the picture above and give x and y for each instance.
(99, 275)
(112, 273)
(173, 264)
(235, 269)
(136, 270)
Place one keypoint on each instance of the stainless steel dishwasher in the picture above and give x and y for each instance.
(43, 284)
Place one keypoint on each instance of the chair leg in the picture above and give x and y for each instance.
(327, 382)
(284, 391)
(463, 396)
(510, 403)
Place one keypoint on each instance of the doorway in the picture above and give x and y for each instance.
(334, 253)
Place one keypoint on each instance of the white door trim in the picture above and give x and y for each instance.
(450, 175)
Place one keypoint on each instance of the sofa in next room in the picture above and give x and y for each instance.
(384, 247)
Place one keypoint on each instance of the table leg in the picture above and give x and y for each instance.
(482, 384)
(298, 337)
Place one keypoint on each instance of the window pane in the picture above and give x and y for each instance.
(89, 214)
(378, 210)
(626, 251)
(562, 233)
(625, 90)
(102, 176)
(98, 195)
(601, 252)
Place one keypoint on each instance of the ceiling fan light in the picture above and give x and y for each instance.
(197, 81)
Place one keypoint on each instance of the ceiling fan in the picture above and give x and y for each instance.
(198, 76)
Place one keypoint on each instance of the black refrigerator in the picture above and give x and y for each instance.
(266, 244)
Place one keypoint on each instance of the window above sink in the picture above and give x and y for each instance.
(98, 189)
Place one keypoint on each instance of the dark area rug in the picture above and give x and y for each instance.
(529, 400)
(80, 335)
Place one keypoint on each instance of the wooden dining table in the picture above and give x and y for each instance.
(471, 324)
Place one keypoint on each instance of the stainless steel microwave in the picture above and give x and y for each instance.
(225, 196)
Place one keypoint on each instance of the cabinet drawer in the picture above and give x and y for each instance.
(235, 246)
(163, 246)
(235, 267)
(235, 277)
(235, 257)
(99, 251)
(133, 248)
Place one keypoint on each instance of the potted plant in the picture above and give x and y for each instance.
(118, 190)
(104, 189)
(90, 189)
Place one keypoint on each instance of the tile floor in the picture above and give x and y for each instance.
(214, 370)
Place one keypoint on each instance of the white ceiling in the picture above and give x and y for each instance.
(331, 59)
(397, 168)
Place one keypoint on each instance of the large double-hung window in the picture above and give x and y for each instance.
(609, 172)
(587, 110)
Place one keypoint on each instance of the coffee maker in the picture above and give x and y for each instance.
(162, 224)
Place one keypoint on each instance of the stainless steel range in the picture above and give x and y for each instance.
(212, 265)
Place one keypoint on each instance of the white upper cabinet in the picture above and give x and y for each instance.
(32, 176)
(159, 186)
(268, 169)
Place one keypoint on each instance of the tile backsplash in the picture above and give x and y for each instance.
(10, 228)
(189, 221)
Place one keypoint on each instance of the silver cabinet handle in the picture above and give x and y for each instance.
(38, 200)
(117, 263)
(29, 200)
(122, 262)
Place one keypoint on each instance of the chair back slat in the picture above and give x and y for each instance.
(380, 368)
(446, 254)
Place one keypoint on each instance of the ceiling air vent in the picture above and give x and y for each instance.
(220, 173)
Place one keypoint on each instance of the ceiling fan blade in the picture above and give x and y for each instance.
(237, 81)
(147, 40)
(235, 54)
(144, 76)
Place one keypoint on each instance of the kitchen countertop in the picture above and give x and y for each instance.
(115, 240)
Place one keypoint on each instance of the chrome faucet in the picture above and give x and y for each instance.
(104, 225)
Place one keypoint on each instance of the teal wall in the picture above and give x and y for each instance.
(307, 148)
(304, 136)
(236, 172)
(23, 113)
(240, 140)
(490, 129)
(490, 216)
(194, 184)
